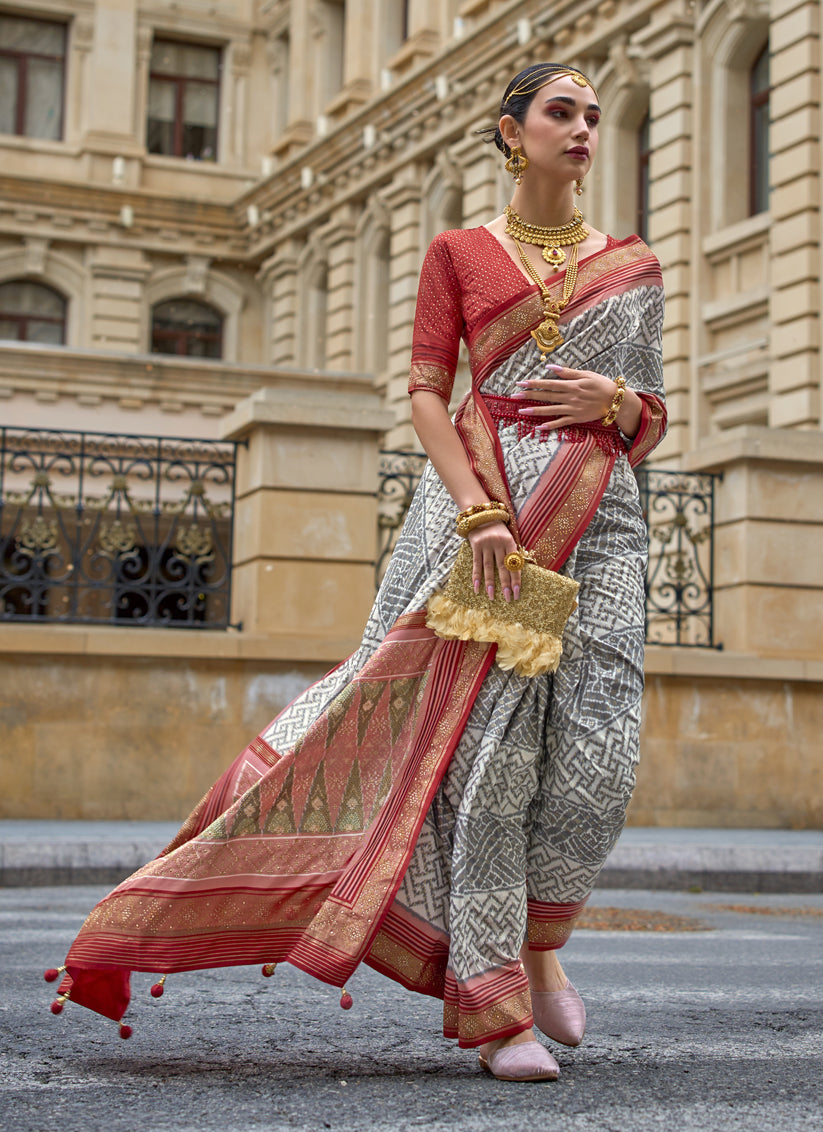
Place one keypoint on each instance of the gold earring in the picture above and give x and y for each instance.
(517, 164)
(578, 186)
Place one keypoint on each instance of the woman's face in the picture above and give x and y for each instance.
(559, 134)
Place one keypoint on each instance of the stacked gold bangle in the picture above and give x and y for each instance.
(480, 514)
(617, 401)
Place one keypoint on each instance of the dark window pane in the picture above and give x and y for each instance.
(184, 98)
(187, 327)
(199, 62)
(44, 100)
(46, 333)
(23, 297)
(33, 313)
(8, 95)
(185, 60)
(643, 155)
(161, 111)
(199, 143)
(32, 36)
(759, 133)
(32, 54)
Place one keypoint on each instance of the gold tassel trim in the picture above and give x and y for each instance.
(528, 652)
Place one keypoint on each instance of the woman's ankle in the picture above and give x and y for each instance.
(515, 1039)
(543, 970)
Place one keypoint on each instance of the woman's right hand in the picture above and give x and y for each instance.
(490, 544)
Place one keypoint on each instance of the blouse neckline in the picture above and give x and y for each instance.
(611, 243)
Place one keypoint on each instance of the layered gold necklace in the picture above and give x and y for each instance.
(552, 240)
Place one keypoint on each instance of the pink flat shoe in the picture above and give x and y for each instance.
(527, 1061)
(560, 1014)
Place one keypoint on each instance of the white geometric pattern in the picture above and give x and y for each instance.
(536, 792)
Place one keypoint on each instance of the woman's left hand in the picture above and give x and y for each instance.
(567, 397)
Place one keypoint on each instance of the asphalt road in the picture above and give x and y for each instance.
(703, 1030)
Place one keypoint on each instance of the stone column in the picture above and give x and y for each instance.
(340, 243)
(111, 116)
(768, 595)
(78, 82)
(668, 47)
(306, 513)
(234, 124)
(479, 163)
(278, 276)
(403, 200)
(794, 307)
(117, 278)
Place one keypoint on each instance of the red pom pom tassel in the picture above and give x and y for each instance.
(346, 1000)
(53, 974)
(157, 989)
(269, 969)
(59, 1003)
(125, 1030)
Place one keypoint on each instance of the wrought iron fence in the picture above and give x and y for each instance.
(398, 476)
(679, 510)
(106, 528)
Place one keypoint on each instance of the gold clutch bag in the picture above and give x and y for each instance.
(528, 632)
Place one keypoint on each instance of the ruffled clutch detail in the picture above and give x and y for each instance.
(528, 632)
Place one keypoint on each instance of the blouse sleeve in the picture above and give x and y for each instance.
(644, 374)
(438, 323)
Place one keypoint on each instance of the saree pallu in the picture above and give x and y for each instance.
(333, 838)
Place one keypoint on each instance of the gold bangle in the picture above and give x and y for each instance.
(613, 409)
(477, 508)
(479, 519)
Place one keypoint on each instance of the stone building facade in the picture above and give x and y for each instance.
(212, 218)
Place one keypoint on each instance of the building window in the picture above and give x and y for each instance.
(32, 77)
(31, 312)
(184, 96)
(331, 51)
(188, 328)
(396, 16)
(759, 132)
(643, 155)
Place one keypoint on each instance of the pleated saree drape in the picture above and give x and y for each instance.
(402, 811)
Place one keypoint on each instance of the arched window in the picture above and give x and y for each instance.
(186, 327)
(643, 155)
(759, 134)
(32, 312)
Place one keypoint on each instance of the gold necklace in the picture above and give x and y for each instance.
(546, 335)
(551, 240)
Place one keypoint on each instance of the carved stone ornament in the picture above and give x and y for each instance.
(36, 250)
(197, 270)
(82, 33)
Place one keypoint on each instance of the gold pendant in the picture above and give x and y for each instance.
(547, 336)
(555, 256)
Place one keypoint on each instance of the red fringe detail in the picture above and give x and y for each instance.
(505, 411)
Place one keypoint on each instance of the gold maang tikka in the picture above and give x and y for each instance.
(548, 74)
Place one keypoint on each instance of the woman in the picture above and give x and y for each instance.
(420, 809)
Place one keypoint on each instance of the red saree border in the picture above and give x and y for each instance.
(324, 923)
(550, 925)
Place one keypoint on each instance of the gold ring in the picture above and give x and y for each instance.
(514, 560)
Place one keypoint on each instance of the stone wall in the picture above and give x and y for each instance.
(136, 724)
(110, 724)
